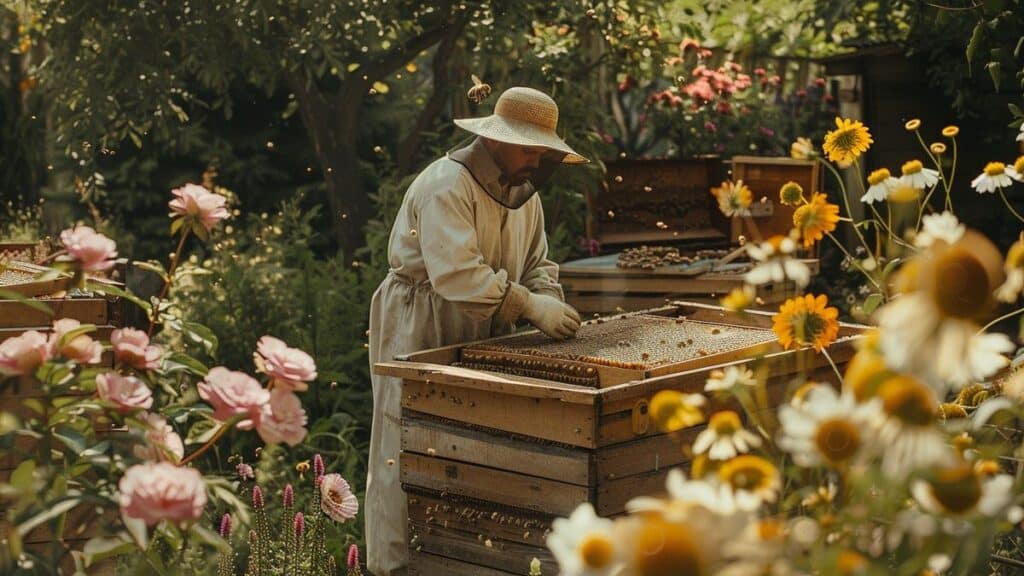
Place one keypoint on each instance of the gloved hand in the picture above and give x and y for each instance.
(552, 316)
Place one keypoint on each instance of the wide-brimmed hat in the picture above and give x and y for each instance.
(526, 117)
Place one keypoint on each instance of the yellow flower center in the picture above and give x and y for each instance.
(987, 468)
(912, 125)
(950, 131)
(908, 400)
(791, 193)
(769, 529)
(961, 284)
(749, 473)
(672, 410)
(667, 549)
(995, 168)
(1019, 165)
(879, 176)
(937, 148)
(850, 563)
(912, 167)
(596, 551)
(957, 489)
(837, 439)
(950, 411)
(725, 423)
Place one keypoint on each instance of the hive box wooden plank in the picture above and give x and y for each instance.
(14, 314)
(764, 176)
(490, 457)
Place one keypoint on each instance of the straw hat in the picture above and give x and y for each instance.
(526, 117)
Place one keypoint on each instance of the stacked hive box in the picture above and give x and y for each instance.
(31, 281)
(669, 202)
(502, 436)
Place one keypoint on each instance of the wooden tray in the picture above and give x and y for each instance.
(31, 280)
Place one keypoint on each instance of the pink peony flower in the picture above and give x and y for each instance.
(162, 491)
(162, 442)
(232, 393)
(132, 347)
(245, 471)
(90, 249)
(194, 201)
(128, 393)
(290, 368)
(282, 419)
(337, 499)
(23, 354)
(81, 348)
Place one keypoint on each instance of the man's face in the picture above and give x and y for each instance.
(517, 163)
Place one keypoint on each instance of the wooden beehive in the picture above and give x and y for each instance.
(502, 436)
(764, 176)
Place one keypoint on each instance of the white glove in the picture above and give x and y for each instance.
(552, 316)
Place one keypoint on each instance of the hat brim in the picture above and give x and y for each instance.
(518, 132)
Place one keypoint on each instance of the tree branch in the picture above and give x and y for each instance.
(394, 59)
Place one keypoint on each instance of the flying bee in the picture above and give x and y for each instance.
(479, 92)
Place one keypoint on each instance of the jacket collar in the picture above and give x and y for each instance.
(481, 165)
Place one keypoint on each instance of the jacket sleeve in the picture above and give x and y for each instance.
(540, 275)
(455, 265)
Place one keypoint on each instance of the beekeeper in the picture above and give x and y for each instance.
(468, 258)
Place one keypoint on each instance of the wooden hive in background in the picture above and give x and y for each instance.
(764, 177)
(502, 436)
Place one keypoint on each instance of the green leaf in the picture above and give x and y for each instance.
(96, 449)
(972, 45)
(993, 71)
(1020, 44)
(72, 334)
(152, 266)
(100, 547)
(72, 439)
(200, 334)
(200, 231)
(211, 538)
(111, 290)
(892, 264)
(136, 139)
(201, 432)
(55, 510)
(22, 476)
(22, 299)
(181, 361)
(872, 302)
(1014, 109)
(176, 225)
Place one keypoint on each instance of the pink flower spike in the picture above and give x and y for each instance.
(195, 202)
(257, 497)
(300, 524)
(318, 466)
(92, 251)
(289, 496)
(353, 556)
(225, 526)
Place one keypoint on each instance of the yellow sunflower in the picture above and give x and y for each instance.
(791, 193)
(734, 198)
(806, 321)
(672, 410)
(815, 218)
(849, 140)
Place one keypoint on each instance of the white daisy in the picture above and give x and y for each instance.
(775, 263)
(909, 436)
(943, 227)
(960, 491)
(881, 183)
(725, 437)
(992, 178)
(917, 176)
(584, 544)
(759, 551)
(753, 479)
(830, 428)
(731, 378)
(685, 495)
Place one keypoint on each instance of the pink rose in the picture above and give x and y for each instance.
(282, 419)
(162, 442)
(81, 348)
(126, 392)
(162, 491)
(337, 499)
(290, 368)
(231, 393)
(23, 354)
(194, 201)
(132, 347)
(93, 251)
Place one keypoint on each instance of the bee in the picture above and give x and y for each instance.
(479, 92)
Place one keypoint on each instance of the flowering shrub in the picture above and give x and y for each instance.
(123, 439)
(906, 465)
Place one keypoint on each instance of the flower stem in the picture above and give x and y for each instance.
(167, 282)
(846, 202)
(835, 368)
(1000, 319)
(213, 440)
(854, 262)
(1007, 202)
(952, 174)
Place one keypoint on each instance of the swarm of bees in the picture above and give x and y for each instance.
(479, 92)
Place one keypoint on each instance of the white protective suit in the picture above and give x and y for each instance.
(462, 267)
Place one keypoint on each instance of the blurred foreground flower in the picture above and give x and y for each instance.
(90, 250)
(197, 207)
(806, 321)
(162, 491)
(734, 198)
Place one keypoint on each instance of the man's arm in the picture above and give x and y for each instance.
(540, 275)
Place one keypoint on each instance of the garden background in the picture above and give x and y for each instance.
(313, 116)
